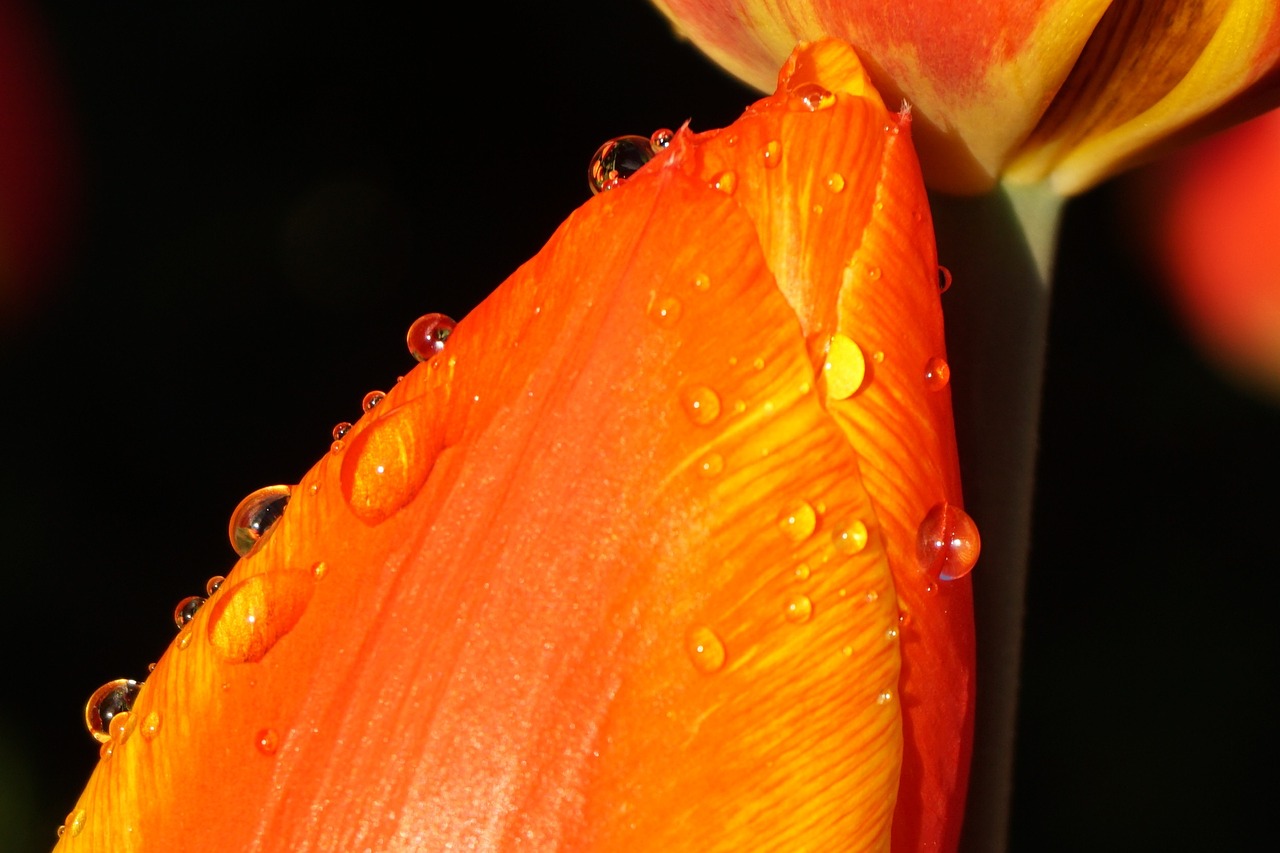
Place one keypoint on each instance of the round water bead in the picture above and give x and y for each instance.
(427, 336)
(186, 609)
(112, 698)
(617, 160)
(255, 516)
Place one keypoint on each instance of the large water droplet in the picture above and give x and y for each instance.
(937, 373)
(705, 650)
(255, 517)
(810, 97)
(372, 399)
(799, 608)
(112, 698)
(251, 617)
(617, 160)
(665, 310)
(212, 584)
(701, 404)
(387, 464)
(340, 429)
(947, 543)
(186, 609)
(427, 336)
(798, 520)
(843, 367)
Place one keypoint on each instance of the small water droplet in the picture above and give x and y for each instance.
(885, 697)
(726, 182)
(937, 373)
(947, 543)
(121, 726)
(387, 463)
(904, 620)
(811, 97)
(802, 572)
(617, 160)
(798, 520)
(851, 538)
(341, 429)
(847, 651)
(106, 750)
(112, 698)
(186, 609)
(427, 336)
(267, 741)
(711, 465)
(758, 363)
(701, 404)
(62, 827)
(337, 447)
(256, 516)
(76, 821)
(944, 278)
(319, 569)
(372, 399)
(872, 596)
(835, 182)
(251, 616)
(151, 726)
(799, 608)
(661, 138)
(877, 356)
(702, 282)
(873, 273)
(705, 650)
(843, 367)
(212, 584)
(665, 310)
(732, 140)
(772, 154)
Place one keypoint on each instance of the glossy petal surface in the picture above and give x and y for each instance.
(617, 570)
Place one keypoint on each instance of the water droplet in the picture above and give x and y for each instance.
(877, 356)
(118, 728)
(62, 827)
(944, 279)
(341, 429)
(106, 750)
(184, 637)
(372, 399)
(711, 465)
(110, 699)
(212, 584)
(726, 182)
(758, 363)
(885, 697)
(661, 138)
(267, 741)
(873, 273)
(251, 616)
(701, 404)
(387, 464)
(705, 650)
(891, 634)
(799, 608)
(151, 726)
(75, 822)
(255, 516)
(851, 538)
(186, 609)
(811, 97)
(617, 160)
(702, 282)
(947, 543)
(427, 335)
(872, 596)
(798, 520)
(319, 569)
(732, 140)
(843, 367)
(772, 154)
(802, 572)
(847, 651)
(665, 310)
(835, 182)
(937, 373)
(337, 447)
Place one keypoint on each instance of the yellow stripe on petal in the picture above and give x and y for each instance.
(1151, 70)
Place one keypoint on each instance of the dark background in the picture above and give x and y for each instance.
(268, 195)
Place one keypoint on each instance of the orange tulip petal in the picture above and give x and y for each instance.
(605, 574)
(1150, 70)
(978, 78)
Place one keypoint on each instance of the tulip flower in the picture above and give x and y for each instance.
(661, 550)
(1065, 92)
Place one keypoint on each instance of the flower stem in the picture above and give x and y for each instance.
(999, 249)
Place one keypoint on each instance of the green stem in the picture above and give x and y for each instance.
(999, 249)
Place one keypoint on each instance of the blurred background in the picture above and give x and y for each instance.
(227, 218)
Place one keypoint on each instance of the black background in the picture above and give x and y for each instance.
(271, 193)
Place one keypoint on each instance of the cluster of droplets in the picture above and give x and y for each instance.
(623, 156)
